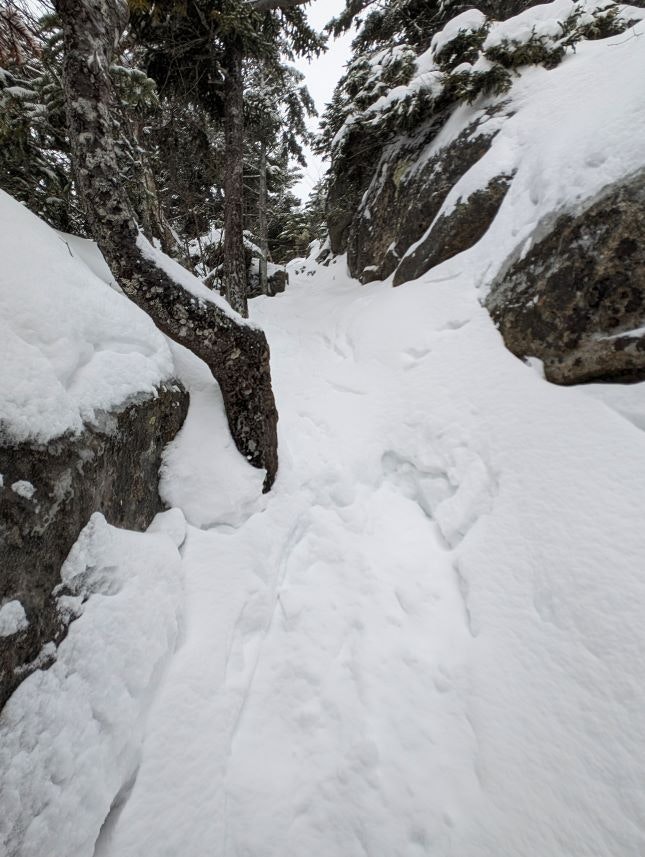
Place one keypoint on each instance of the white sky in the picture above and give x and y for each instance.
(322, 75)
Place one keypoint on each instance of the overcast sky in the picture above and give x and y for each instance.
(322, 75)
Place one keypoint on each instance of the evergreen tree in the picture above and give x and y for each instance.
(197, 49)
(34, 151)
(276, 105)
(238, 355)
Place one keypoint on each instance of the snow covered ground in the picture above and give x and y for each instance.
(71, 735)
(427, 639)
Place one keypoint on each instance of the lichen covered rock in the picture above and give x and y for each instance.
(455, 231)
(48, 493)
(576, 299)
(406, 197)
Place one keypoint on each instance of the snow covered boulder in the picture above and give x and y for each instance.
(576, 299)
(87, 404)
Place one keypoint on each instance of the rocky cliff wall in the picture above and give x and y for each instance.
(546, 150)
(48, 494)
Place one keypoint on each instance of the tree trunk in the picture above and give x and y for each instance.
(147, 207)
(235, 279)
(237, 354)
(262, 221)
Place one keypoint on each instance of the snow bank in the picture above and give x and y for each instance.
(69, 345)
(70, 736)
(202, 471)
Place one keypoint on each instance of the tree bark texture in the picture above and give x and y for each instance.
(235, 275)
(237, 355)
(262, 221)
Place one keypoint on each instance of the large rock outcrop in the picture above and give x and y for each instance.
(406, 197)
(388, 188)
(454, 232)
(47, 495)
(387, 195)
(576, 299)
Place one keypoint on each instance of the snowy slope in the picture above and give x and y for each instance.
(69, 345)
(427, 639)
(572, 131)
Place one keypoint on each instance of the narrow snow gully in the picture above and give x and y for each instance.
(421, 642)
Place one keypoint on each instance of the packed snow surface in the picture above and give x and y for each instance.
(69, 344)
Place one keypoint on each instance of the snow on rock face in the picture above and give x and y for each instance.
(49, 494)
(23, 489)
(576, 298)
(69, 345)
(12, 618)
(563, 134)
(70, 736)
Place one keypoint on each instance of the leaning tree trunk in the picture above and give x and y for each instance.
(234, 258)
(263, 232)
(237, 354)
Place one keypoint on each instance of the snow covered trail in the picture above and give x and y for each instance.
(426, 640)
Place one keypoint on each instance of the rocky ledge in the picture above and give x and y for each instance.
(576, 299)
(47, 495)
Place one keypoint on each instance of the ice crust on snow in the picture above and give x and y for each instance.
(12, 618)
(69, 345)
(70, 736)
(87, 251)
